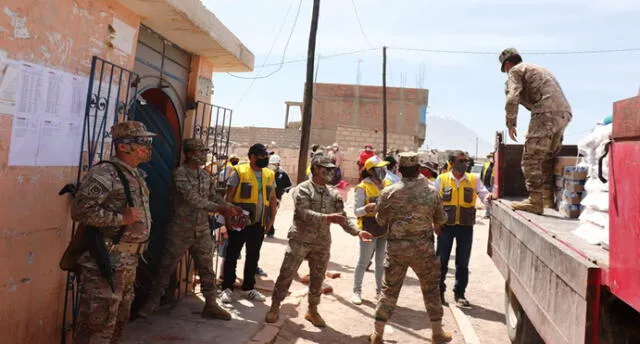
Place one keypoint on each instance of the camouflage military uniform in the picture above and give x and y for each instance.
(194, 196)
(310, 238)
(537, 90)
(409, 209)
(100, 202)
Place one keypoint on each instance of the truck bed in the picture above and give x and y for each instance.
(551, 271)
(561, 228)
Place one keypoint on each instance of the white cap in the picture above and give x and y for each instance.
(274, 159)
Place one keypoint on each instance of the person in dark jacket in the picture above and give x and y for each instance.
(283, 183)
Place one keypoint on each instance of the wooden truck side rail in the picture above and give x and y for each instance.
(555, 285)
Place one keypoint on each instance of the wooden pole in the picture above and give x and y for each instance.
(308, 94)
(384, 101)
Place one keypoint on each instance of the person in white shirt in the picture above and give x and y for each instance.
(459, 192)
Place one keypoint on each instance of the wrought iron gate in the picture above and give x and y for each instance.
(111, 98)
(214, 133)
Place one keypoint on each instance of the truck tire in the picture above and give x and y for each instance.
(519, 327)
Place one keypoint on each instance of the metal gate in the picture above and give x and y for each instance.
(111, 98)
(214, 133)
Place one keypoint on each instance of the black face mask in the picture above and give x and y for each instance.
(460, 166)
(262, 163)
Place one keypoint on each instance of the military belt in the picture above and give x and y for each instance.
(411, 238)
(124, 247)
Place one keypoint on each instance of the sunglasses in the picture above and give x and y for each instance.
(462, 160)
(144, 140)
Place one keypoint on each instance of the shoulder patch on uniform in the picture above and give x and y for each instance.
(95, 188)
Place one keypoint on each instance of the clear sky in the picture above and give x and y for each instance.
(467, 87)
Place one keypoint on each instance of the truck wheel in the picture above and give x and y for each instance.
(519, 327)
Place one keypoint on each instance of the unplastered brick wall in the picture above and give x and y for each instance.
(289, 137)
(361, 106)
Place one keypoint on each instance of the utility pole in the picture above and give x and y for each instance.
(477, 140)
(384, 101)
(308, 94)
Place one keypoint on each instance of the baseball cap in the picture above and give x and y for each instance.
(258, 149)
(130, 129)
(374, 161)
(322, 160)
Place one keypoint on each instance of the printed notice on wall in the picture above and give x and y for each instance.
(28, 98)
(24, 141)
(9, 74)
(49, 109)
(58, 143)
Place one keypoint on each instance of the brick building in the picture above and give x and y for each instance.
(148, 60)
(352, 116)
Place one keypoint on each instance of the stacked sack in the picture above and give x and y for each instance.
(594, 220)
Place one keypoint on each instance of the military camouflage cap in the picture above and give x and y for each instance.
(130, 129)
(322, 160)
(409, 159)
(505, 55)
(190, 145)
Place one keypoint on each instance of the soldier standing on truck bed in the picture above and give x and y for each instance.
(194, 197)
(537, 90)
(101, 204)
(411, 211)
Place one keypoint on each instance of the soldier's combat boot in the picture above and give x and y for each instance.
(378, 331)
(274, 312)
(547, 199)
(533, 204)
(212, 309)
(438, 334)
(314, 317)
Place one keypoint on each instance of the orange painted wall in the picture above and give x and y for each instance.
(34, 221)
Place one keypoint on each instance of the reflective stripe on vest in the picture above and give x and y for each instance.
(246, 194)
(459, 201)
(371, 194)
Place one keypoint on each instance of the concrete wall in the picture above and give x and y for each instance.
(35, 226)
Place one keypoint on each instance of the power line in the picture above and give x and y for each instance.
(325, 56)
(273, 44)
(355, 10)
(284, 53)
(476, 52)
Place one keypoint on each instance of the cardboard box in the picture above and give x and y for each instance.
(576, 172)
(562, 162)
(571, 210)
(572, 198)
(574, 185)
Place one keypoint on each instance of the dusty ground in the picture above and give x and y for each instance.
(347, 323)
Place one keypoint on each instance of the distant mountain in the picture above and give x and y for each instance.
(445, 133)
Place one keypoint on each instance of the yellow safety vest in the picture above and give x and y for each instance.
(371, 194)
(459, 201)
(246, 194)
(368, 222)
(485, 168)
(308, 170)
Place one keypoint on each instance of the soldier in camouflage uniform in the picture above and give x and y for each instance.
(194, 197)
(537, 90)
(317, 206)
(411, 210)
(100, 202)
